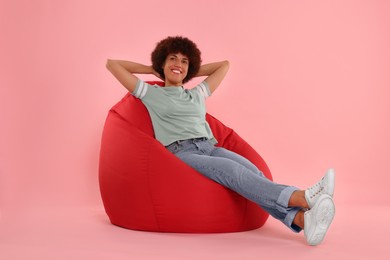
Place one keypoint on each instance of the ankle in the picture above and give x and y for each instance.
(298, 199)
(299, 219)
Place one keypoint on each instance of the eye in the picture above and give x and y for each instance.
(185, 61)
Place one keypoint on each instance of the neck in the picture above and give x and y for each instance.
(171, 84)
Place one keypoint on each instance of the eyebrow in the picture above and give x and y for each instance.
(185, 58)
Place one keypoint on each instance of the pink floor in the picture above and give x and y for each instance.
(85, 233)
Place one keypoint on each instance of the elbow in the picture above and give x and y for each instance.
(109, 64)
(226, 64)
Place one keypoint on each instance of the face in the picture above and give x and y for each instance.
(175, 69)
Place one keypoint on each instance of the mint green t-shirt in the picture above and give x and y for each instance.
(176, 113)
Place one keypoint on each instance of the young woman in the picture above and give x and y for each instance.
(178, 118)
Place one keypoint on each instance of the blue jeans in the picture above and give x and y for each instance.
(238, 174)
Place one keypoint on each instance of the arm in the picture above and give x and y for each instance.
(215, 73)
(124, 72)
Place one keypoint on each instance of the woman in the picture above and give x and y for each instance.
(178, 118)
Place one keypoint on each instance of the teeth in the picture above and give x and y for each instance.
(176, 71)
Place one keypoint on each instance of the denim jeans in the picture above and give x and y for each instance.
(238, 174)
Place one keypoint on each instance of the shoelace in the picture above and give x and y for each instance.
(316, 189)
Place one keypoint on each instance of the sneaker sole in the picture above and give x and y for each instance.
(323, 216)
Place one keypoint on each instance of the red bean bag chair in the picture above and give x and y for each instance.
(145, 187)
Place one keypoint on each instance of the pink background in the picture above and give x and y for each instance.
(308, 88)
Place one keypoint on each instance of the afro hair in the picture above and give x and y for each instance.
(174, 45)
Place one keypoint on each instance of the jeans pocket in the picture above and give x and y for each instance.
(173, 148)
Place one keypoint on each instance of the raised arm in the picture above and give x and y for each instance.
(215, 73)
(124, 72)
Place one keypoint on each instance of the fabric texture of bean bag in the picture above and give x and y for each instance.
(145, 187)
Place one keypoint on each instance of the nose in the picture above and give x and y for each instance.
(177, 64)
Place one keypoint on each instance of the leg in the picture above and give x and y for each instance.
(298, 199)
(224, 153)
(272, 197)
(299, 219)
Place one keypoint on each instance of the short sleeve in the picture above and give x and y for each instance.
(203, 89)
(141, 89)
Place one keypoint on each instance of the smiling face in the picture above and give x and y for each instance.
(175, 69)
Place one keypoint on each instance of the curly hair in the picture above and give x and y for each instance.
(173, 45)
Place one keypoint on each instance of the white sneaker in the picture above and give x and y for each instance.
(324, 186)
(318, 219)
